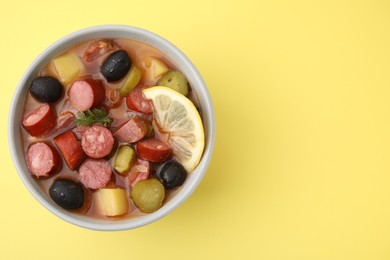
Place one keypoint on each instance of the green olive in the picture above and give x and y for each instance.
(148, 195)
(175, 80)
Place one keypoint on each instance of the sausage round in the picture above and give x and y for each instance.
(153, 150)
(70, 149)
(137, 101)
(40, 121)
(86, 94)
(132, 131)
(97, 141)
(42, 159)
(95, 174)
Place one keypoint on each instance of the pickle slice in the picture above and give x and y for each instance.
(148, 195)
(131, 81)
(124, 159)
(175, 80)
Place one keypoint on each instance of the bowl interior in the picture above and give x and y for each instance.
(111, 31)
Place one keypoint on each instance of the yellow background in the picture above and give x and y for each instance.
(301, 166)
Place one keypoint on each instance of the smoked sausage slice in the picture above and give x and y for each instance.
(95, 173)
(136, 101)
(86, 94)
(153, 150)
(42, 159)
(133, 130)
(97, 141)
(40, 121)
(70, 149)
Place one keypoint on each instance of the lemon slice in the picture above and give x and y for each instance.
(176, 115)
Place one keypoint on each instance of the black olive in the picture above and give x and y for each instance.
(46, 89)
(116, 66)
(67, 194)
(171, 174)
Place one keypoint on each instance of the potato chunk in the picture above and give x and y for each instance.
(157, 67)
(112, 201)
(68, 67)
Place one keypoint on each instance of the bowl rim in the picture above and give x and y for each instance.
(127, 223)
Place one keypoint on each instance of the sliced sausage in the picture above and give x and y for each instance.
(139, 171)
(153, 150)
(136, 101)
(70, 149)
(98, 48)
(95, 173)
(40, 121)
(42, 159)
(97, 141)
(86, 94)
(133, 130)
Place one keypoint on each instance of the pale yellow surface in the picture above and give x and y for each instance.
(301, 168)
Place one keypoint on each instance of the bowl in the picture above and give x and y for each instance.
(111, 31)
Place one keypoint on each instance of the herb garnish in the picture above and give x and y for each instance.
(90, 117)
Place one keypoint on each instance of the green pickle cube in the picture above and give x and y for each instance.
(124, 159)
(131, 81)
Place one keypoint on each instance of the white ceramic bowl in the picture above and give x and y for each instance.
(111, 31)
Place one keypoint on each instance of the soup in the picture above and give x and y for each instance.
(111, 129)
